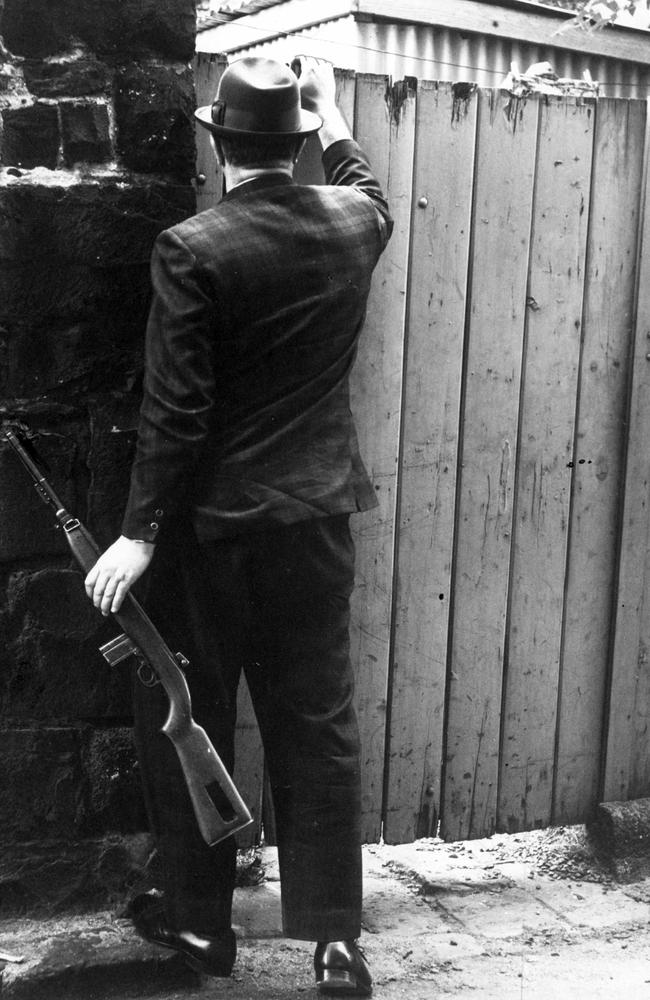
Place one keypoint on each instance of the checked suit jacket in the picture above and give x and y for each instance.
(257, 308)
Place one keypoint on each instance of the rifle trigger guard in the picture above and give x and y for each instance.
(146, 675)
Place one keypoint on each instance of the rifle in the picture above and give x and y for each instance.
(218, 806)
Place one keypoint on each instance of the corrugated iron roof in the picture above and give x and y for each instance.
(272, 20)
(212, 14)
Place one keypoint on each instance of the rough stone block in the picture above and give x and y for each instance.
(44, 876)
(165, 27)
(41, 782)
(59, 785)
(54, 601)
(53, 669)
(115, 801)
(51, 355)
(61, 781)
(74, 296)
(621, 831)
(31, 136)
(86, 133)
(20, 19)
(73, 74)
(12, 80)
(154, 108)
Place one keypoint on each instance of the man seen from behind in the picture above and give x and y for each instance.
(246, 472)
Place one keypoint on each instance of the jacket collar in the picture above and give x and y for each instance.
(276, 179)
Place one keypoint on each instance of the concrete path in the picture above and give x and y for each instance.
(532, 916)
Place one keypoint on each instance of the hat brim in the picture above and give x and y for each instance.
(309, 122)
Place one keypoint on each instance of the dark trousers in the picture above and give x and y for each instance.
(274, 604)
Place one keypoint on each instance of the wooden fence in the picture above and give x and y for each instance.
(501, 625)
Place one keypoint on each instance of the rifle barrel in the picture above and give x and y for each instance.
(43, 488)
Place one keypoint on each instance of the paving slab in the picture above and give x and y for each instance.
(592, 906)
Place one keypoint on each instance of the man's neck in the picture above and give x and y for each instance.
(239, 175)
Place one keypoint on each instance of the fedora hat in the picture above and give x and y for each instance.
(258, 96)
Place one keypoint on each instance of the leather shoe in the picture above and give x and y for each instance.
(211, 956)
(341, 968)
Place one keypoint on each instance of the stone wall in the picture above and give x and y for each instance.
(96, 157)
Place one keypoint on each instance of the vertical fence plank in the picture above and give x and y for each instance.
(208, 70)
(346, 85)
(627, 770)
(502, 219)
(547, 426)
(600, 441)
(443, 179)
(385, 129)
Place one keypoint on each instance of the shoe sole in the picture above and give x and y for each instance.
(338, 982)
(194, 963)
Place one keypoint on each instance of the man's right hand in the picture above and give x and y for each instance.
(318, 94)
(317, 85)
(115, 572)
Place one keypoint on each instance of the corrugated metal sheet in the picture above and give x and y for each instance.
(270, 23)
(209, 15)
(400, 50)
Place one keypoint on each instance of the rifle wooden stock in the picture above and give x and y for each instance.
(218, 806)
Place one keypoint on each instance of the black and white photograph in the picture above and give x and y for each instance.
(325, 499)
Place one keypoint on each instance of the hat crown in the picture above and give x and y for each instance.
(258, 95)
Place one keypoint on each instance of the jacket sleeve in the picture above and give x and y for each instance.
(178, 387)
(345, 164)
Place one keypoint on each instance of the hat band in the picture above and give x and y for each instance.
(241, 120)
